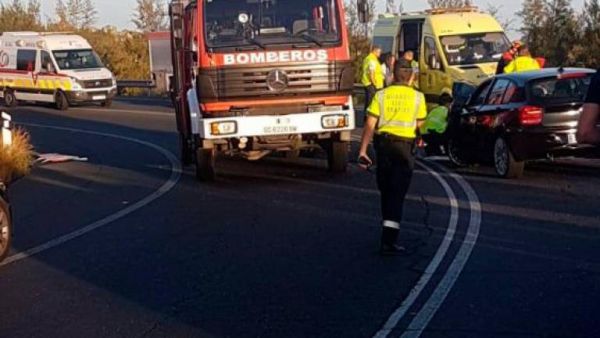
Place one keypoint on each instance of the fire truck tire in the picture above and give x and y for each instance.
(10, 100)
(186, 153)
(337, 156)
(5, 229)
(60, 101)
(205, 165)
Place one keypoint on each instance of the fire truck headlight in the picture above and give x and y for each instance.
(335, 121)
(223, 128)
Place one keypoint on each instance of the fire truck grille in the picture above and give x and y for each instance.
(97, 83)
(290, 80)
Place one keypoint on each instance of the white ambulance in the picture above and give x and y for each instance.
(57, 68)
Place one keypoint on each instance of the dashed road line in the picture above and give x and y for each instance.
(165, 188)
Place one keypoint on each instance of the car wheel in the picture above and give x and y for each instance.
(504, 161)
(5, 229)
(10, 100)
(455, 154)
(60, 101)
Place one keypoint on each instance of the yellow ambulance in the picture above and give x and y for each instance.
(462, 44)
(56, 68)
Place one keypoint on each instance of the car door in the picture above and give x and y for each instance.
(468, 117)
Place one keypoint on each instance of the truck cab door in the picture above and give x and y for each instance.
(432, 76)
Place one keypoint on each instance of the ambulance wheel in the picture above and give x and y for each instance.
(337, 156)
(205, 165)
(106, 104)
(10, 100)
(60, 101)
(5, 229)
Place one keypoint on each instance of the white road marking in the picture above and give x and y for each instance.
(399, 313)
(429, 309)
(165, 188)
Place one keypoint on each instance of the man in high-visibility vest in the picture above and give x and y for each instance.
(372, 74)
(394, 116)
(434, 129)
(523, 63)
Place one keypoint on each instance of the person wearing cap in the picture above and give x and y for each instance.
(523, 63)
(372, 74)
(587, 130)
(393, 118)
(508, 57)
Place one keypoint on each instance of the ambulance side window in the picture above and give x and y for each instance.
(47, 65)
(26, 60)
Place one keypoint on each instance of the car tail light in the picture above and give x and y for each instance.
(530, 115)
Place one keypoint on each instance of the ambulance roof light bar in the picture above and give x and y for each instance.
(468, 9)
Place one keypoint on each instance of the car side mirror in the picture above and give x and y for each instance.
(362, 9)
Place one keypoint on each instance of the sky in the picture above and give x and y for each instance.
(119, 12)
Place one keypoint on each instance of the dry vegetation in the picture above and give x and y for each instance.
(15, 160)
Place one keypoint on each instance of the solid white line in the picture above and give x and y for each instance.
(165, 188)
(399, 313)
(429, 309)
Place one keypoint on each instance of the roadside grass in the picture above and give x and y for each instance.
(15, 160)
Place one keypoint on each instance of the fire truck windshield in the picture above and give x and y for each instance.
(270, 23)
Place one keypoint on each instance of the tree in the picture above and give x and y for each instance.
(561, 33)
(534, 14)
(75, 14)
(16, 16)
(358, 34)
(591, 34)
(506, 23)
(394, 6)
(150, 16)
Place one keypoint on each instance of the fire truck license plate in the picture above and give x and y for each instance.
(280, 129)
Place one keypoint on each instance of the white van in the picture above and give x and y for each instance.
(56, 68)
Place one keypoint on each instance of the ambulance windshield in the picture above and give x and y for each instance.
(77, 59)
(472, 49)
(262, 24)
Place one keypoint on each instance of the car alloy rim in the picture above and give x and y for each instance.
(4, 231)
(501, 156)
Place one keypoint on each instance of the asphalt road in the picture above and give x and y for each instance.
(129, 244)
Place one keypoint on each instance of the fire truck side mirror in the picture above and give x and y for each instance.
(362, 9)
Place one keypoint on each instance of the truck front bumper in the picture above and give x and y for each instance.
(272, 125)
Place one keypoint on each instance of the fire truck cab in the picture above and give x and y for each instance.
(256, 76)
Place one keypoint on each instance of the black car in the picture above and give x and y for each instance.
(5, 224)
(514, 118)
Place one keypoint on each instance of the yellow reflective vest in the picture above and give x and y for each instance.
(522, 64)
(437, 121)
(371, 65)
(398, 108)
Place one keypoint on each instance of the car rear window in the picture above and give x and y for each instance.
(554, 89)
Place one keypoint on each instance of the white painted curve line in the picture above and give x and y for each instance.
(429, 309)
(399, 313)
(165, 188)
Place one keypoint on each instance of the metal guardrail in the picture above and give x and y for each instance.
(135, 84)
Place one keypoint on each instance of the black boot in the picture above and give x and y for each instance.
(389, 236)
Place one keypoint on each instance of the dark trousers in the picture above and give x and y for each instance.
(370, 92)
(395, 165)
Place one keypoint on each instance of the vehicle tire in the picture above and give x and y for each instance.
(107, 103)
(60, 101)
(205, 165)
(337, 156)
(455, 154)
(504, 162)
(5, 229)
(185, 152)
(10, 100)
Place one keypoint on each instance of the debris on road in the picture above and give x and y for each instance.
(54, 158)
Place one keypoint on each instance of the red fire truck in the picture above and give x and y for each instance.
(253, 77)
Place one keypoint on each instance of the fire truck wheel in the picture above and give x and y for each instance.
(10, 100)
(5, 229)
(186, 153)
(205, 165)
(337, 156)
(60, 101)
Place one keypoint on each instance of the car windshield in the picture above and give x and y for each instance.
(263, 23)
(77, 59)
(551, 90)
(474, 48)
